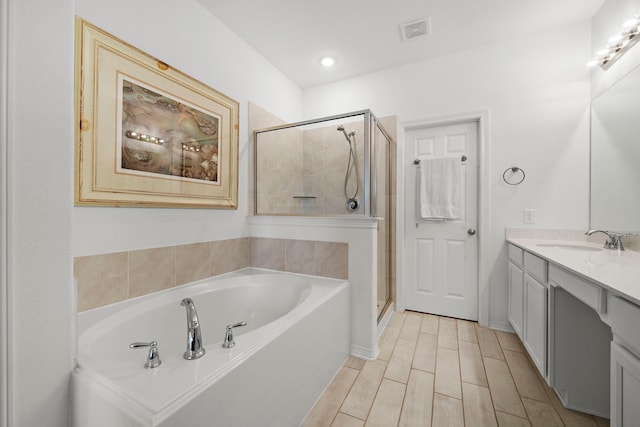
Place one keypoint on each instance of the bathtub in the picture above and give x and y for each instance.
(295, 340)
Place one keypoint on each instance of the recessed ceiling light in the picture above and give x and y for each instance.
(328, 61)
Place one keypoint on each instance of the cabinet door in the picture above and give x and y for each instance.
(535, 322)
(516, 297)
(625, 387)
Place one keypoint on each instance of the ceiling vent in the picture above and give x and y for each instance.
(415, 29)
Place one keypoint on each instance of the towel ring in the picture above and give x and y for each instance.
(514, 170)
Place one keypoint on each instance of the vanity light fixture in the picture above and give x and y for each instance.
(144, 137)
(618, 44)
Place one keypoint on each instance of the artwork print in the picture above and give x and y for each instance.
(165, 136)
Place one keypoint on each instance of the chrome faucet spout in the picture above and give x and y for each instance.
(614, 240)
(195, 349)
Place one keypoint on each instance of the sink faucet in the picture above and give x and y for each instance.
(194, 337)
(614, 240)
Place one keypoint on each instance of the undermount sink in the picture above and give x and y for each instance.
(570, 246)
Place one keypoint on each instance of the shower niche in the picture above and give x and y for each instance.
(337, 166)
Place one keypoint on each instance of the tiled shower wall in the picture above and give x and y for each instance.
(325, 159)
(110, 278)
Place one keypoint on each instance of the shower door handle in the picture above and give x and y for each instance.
(471, 231)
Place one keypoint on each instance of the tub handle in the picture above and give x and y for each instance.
(153, 358)
(228, 335)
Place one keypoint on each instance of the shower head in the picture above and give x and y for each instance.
(346, 135)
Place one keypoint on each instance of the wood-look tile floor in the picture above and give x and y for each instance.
(440, 372)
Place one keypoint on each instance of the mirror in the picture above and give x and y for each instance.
(615, 156)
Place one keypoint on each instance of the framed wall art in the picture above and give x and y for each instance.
(148, 134)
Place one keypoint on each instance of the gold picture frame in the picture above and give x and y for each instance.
(148, 134)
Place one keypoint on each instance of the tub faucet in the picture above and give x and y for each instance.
(614, 240)
(194, 337)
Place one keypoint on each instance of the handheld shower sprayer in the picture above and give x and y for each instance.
(346, 135)
(352, 202)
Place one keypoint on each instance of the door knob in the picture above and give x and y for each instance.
(471, 231)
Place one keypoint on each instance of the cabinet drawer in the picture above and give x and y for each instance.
(535, 266)
(625, 318)
(516, 255)
(586, 292)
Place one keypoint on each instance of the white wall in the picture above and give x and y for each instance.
(536, 90)
(45, 230)
(188, 37)
(40, 179)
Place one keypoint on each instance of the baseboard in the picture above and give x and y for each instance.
(364, 353)
(501, 326)
(385, 320)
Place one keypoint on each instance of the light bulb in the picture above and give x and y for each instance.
(630, 23)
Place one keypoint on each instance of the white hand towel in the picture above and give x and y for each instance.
(440, 188)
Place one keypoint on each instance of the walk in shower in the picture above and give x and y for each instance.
(336, 166)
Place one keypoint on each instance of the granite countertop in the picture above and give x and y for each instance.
(618, 271)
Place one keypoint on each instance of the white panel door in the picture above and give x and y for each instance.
(441, 263)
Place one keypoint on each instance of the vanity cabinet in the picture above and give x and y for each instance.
(535, 323)
(625, 362)
(516, 297)
(528, 299)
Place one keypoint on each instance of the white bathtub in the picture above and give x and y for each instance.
(296, 339)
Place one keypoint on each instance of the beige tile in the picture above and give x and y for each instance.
(569, 418)
(471, 365)
(387, 342)
(424, 357)
(476, 401)
(400, 361)
(329, 403)
(398, 319)
(359, 400)
(489, 345)
(332, 259)
(354, 363)
(151, 270)
(508, 420)
(448, 333)
(602, 422)
(541, 414)
(300, 256)
(430, 324)
(524, 376)
(411, 327)
(467, 331)
(344, 420)
(448, 373)
(418, 400)
(229, 255)
(102, 279)
(267, 253)
(447, 411)
(509, 341)
(387, 405)
(503, 389)
(193, 262)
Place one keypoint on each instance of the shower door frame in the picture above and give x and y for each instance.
(369, 208)
(5, 385)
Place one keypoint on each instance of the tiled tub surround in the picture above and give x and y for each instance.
(109, 278)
